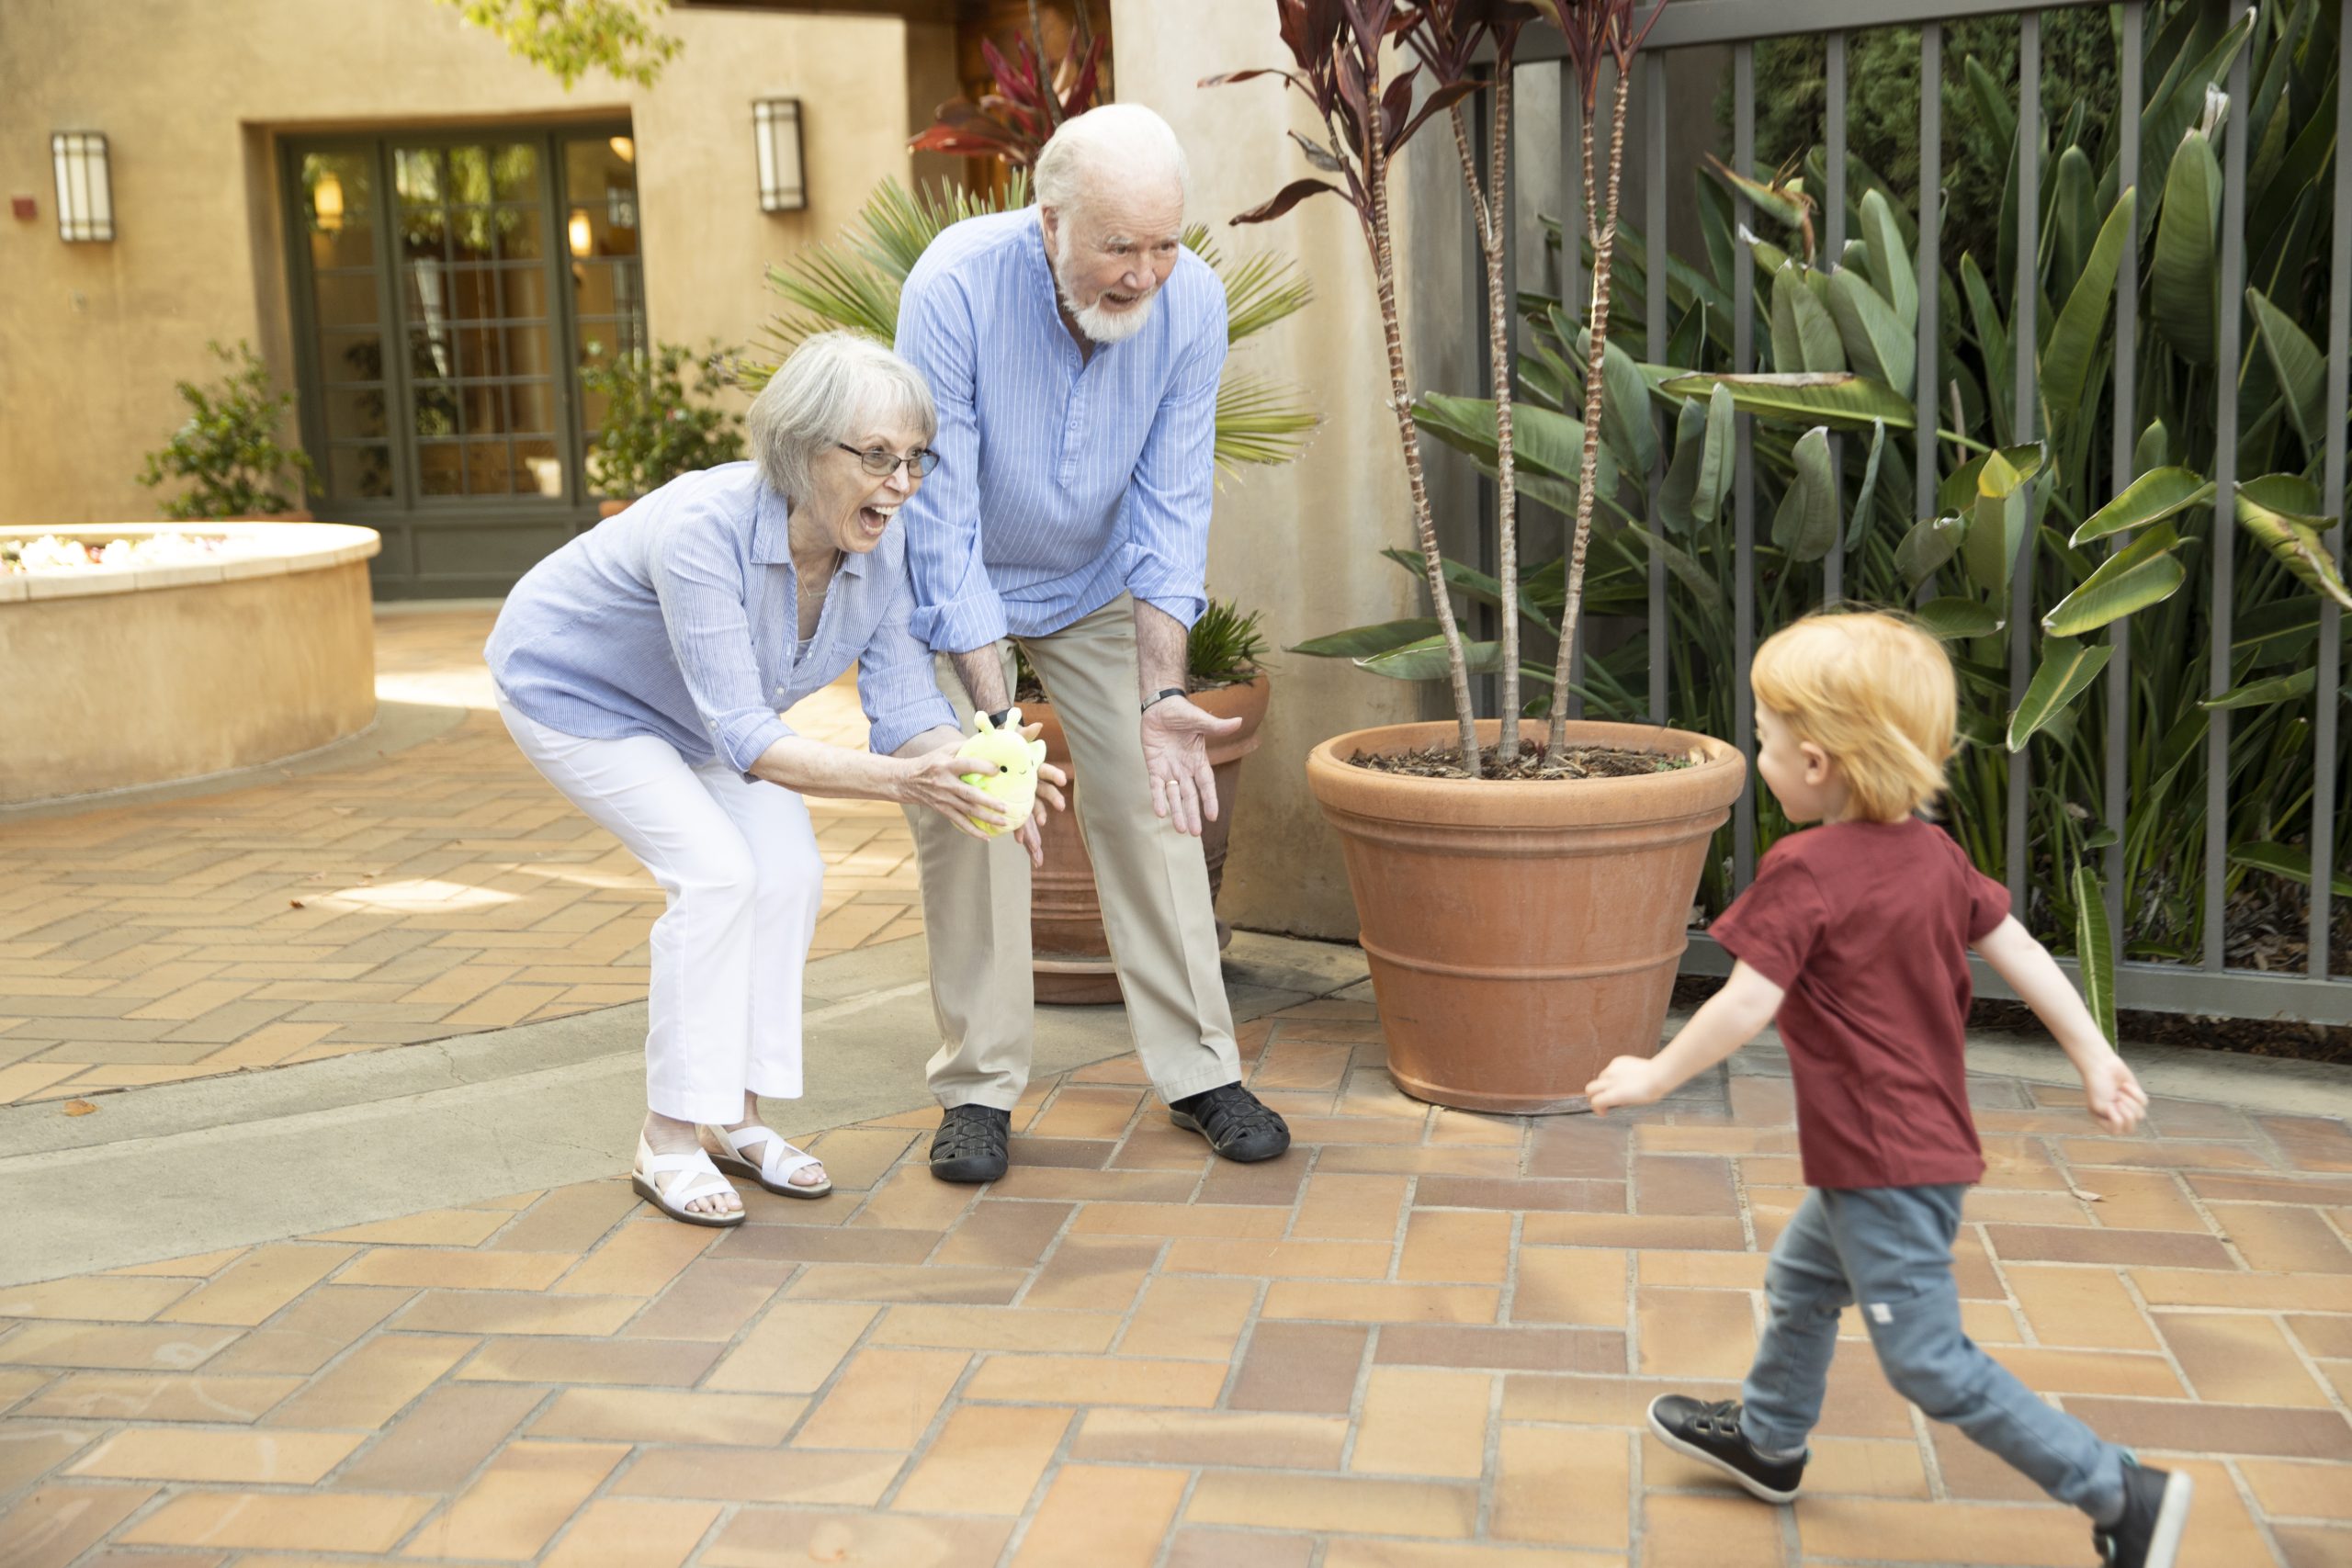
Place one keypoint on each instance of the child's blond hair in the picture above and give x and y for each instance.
(1874, 691)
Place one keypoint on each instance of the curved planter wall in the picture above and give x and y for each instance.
(118, 676)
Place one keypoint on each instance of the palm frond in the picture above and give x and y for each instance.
(1261, 291)
(1260, 420)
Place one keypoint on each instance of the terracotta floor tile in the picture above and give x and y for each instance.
(1503, 1349)
(1349, 1208)
(1309, 1367)
(662, 1416)
(2235, 1360)
(1096, 1516)
(1669, 1231)
(1333, 1504)
(985, 1460)
(1087, 1110)
(1998, 1536)
(905, 1282)
(1696, 1333)
(435, 1227)
(792, 1349)
(2049, 1371)
(453, 1270)
(2282, 1240)
(1683, 1184)
(2079, 1306)
(1108, 1379)
(829, 1478)
(515, 1507)
(1189, 1318)
(2323, 1337)
(314, 1331)
(856, 1157)
(1563, 1488)
(31, 1448)
(1198, 1548)
(1278, 1259)
(711, 1301)
(1179, 1220)
(114, 1347)
(1867, 1467)
(763, 1537)
(1379, 1159)
(2287, 1490)
(1706, 1532)
(53, 1524)
(2139, 1200)
(296, 1459)
(92, 1298)
(133, 1557)
(1417, 1422)
(883, 1399)
(1106, 1186)
(2211, 1428)
(258, 1285)
(911, 1198)
(1345, 1551)
(570, 1219)
(276, 1521)
(1275, 1183)
(1700, 1270)
(202, 1266)
(2166, 1155)
(823, 1244)
(1000, 1233)
(2073, 1244)
(639, 1258)
(628, 1533)
(1559, 1284)
(1218, 1438)
(161, 1396)
(516, 1312)
(643, 1363)
(997, 1328)
(1348, 1301)
(1455, 1246)
(442, 1439)
(2263, 1292)
(1093, 1273)
(372, 1384)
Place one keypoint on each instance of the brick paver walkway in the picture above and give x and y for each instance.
(1420, 1340)
(441, 890)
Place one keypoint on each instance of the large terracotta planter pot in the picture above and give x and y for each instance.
(1522, 934)
(1071, 956)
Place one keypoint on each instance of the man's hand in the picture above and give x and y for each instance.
(1176, 737)
(1031, 835)
(2113, 1094)
(1626, 1080)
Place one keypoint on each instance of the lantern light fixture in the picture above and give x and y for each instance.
(327, 201)
(583, 233)
(84, 192)
(775, 138)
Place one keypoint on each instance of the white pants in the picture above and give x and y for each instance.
(739, 861)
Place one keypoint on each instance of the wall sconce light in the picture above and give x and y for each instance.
(327, 201)
(624, 148)
(776, 135)
(85, 195)
(583, 237)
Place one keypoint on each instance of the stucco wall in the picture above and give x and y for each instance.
(189, 93)
(1300, 542)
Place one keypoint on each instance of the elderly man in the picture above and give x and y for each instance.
(1074, 349)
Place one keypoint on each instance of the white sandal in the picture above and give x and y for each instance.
(696, 1177)
(777, 1167)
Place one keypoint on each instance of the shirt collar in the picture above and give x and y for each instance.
(771, 535)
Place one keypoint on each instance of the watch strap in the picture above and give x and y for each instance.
(1162, 695)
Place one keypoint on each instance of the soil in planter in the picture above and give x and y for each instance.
(1576, 763)
(2246, 1036)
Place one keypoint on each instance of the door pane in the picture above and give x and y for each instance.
(339, 209)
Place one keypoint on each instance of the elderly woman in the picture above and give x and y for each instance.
(644, 668)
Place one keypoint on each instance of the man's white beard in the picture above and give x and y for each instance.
(1100, 325)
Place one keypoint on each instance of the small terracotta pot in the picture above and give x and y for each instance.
(1522, 934)
(610, 507)
(1070, 953)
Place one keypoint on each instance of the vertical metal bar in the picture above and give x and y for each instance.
(1833, 197)
(1743, 359)
(2023, 334)
(1931, 233)
(1656, 286)
(1482, 617)
(2225, 500)
(2127, 329)
(2331, 619)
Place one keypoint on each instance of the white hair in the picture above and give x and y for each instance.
(833, 383)
(1118, 146)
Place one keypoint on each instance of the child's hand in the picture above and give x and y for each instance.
(2117, 1100)
(1627, 1080)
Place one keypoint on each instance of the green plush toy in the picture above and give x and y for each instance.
(1008, 769)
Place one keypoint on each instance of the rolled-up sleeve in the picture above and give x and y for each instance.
(699, 578)
(895, 679)
(955, 606)
(1174, 485)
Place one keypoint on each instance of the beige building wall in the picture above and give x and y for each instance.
(192, 93)
(1301, 542)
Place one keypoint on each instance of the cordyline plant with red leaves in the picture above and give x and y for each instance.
(1465, 47)
(1031, 101)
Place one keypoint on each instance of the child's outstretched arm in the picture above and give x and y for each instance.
(1730, 1018)
(2117, 1100)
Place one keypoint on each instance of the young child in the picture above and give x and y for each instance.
(1856, 934)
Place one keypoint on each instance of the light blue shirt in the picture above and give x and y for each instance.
(1064, 480)
(679, 618)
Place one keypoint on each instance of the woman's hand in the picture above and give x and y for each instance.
(936, 779)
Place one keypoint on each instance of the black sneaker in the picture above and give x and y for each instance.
(1234, 1122)
(1710, 1434)
(2156, 1512)
(970, 1144)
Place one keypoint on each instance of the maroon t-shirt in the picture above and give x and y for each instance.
(1866, 927)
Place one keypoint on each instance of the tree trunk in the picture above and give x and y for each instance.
(1595, 358)
(1486, 211)
(1401, 400)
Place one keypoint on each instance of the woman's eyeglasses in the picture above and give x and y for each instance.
(881, 463)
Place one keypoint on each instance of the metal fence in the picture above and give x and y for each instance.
(2207, 986)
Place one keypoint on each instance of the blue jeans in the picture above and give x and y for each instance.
(1890, 1248)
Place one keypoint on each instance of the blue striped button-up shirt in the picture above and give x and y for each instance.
(679, 617)
(1064, 480)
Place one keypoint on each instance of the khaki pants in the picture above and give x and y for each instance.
(1153, 881)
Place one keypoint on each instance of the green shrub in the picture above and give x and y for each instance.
(651, 431)
(228, 450)
(1225, 648)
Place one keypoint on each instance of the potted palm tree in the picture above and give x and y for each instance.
(1523, 888)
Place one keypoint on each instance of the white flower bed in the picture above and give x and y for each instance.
(48, 553)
